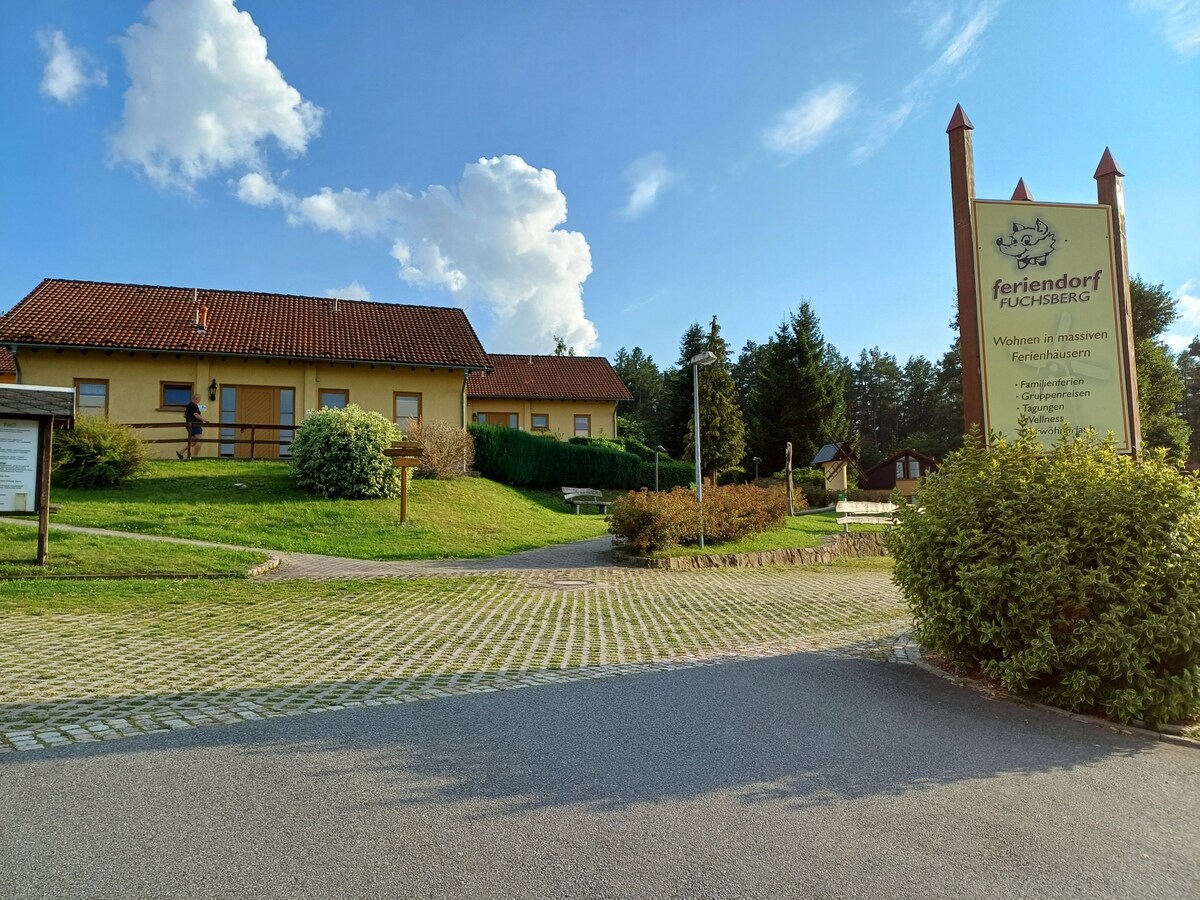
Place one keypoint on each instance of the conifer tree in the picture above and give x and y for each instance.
(645, 382)
(676, 405)
(798, 393)
(722, 429)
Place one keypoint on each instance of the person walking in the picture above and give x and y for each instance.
(194, 420)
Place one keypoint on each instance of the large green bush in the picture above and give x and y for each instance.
(526, 460)
(1072, 576)
(96, 453)
(339, 453)
(646, 521)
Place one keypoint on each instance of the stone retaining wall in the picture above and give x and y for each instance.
(838, 546)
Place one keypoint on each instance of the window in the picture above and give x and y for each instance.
(174, 394)
(228, 414)
(332, 399)
(503, 419)
(583, 426)
(287, 416)
(539, 422)
(406, 407)
(91, 397)
(899, 469)
(914, 468)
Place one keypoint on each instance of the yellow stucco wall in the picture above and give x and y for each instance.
(561, 414)
(135, 381)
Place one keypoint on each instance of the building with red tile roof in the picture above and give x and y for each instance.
(567, 396)
(137, 353)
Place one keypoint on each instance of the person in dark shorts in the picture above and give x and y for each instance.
(191, 415)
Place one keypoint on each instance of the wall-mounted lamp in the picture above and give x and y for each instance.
(212, 391)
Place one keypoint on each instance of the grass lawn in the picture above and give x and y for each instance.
(461, 519)
(85, 554)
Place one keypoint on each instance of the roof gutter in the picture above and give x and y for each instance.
(335, 359)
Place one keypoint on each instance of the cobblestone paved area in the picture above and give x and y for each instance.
(69, 678)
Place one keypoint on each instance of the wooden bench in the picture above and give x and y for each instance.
(578, 497)
(862, 512)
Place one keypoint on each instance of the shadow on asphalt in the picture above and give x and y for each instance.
(803, 729)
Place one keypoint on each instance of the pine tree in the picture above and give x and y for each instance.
(798, 393)
(722, 429)
(645, 382)
(676, 404)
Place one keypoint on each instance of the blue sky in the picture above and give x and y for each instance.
(610, 172)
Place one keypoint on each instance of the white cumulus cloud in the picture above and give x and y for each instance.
(69, 71)
(802, 127)
(1179, 21)
(352, 291)
(1187, 327)
(204, 96)
(648, 176)
(493, 241)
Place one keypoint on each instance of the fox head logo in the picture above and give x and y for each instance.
(1029, 246)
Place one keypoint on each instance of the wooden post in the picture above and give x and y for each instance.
(962, 192)
(791, 498)
(1110, 193)
(45, 439)
(403, 495)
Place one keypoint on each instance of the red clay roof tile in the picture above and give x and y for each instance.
(64, 313)
(8, 363)
(548, 378)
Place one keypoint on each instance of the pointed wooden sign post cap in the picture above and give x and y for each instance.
(1020, 192)
(1108, 166)
(958, 120)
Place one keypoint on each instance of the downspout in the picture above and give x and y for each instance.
(463, 414)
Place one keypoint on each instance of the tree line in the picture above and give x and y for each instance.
(796, 387)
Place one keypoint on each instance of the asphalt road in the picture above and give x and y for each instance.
(799, 776)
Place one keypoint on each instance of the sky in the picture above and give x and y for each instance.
(610, 172)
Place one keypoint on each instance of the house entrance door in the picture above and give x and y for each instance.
(258, 406)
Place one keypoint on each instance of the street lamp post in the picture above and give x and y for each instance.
(757, 460)
(707, 358)
(657, 450)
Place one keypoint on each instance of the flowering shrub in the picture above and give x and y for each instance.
(645, 521)
(339, 453)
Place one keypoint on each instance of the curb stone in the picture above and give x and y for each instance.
(834, 547)
(998, 694)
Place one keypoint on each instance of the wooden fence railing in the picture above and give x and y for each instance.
(236, 433)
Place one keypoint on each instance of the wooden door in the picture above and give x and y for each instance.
(258, 406)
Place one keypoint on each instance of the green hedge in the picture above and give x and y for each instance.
(525, 460)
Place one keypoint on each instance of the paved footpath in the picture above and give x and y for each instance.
(424, 630)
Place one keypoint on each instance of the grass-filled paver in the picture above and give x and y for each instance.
(89, 655)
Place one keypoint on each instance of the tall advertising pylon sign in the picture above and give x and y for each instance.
(1044, 313)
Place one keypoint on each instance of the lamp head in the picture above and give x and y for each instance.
(707, 358)
(660, 449)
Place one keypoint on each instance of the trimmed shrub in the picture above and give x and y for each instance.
(339, 453)
(645, 521)
(96, 453)
(1072, 576)
(449, 451)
